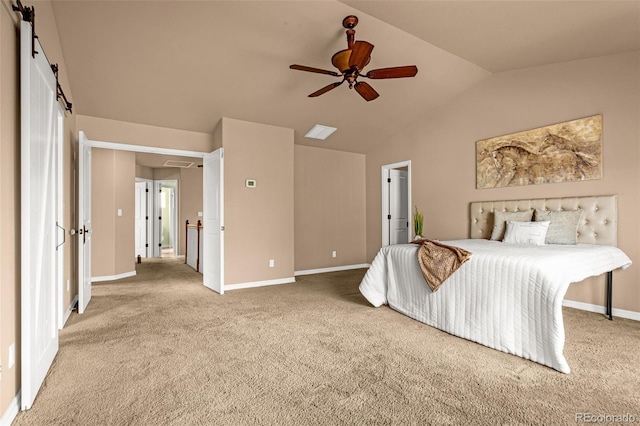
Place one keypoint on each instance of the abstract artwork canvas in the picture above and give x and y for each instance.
(564, 152)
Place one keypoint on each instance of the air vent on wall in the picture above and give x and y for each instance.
(176, 163)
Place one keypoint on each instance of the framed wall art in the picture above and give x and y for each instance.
(563, 152)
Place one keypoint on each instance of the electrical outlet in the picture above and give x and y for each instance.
(272, 263)
(334, 254)
(12, 355)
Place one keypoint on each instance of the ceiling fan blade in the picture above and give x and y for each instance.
(360, 54)
(393, 72)
(325, 89)
(366, 91)
(311, 69)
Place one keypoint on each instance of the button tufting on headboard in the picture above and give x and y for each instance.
(598, 225)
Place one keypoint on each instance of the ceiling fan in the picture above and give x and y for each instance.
(351, 61)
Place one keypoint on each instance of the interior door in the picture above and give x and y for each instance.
(174, 220)
(157, 212)
(398, 207)
(213, 231)
(141, 217)
(84, 223)
(39, 326)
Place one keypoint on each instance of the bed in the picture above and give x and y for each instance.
(506, 296)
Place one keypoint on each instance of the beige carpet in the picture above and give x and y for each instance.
(160, 349)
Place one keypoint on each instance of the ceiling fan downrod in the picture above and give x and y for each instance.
(350, 23)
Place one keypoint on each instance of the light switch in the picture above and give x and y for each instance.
(119, 212)
(199, 214)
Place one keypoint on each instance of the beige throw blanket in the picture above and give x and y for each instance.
(438, 261)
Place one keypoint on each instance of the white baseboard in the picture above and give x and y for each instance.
(67, 313)
(259, 283)
(11, 412)
(331, 269)
(622, 313)
(113, 277)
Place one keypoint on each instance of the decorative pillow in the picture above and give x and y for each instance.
(564, 225)
(500, 218)
(531, 233)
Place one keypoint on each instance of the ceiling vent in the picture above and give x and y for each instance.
(177, 163)
(320, 132)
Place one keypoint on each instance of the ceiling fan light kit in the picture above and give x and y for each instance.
(351, 61)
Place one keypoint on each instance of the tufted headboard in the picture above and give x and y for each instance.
(599, 224)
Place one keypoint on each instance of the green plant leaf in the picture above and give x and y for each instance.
(417, 221)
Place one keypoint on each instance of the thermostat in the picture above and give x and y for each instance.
(250, 183)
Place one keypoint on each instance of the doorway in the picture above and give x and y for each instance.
(213, 209)
(396, 203)
(166, 208)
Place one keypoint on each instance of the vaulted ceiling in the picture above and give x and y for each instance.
(186, 64)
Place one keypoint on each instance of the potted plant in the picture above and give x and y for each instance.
(417, 223)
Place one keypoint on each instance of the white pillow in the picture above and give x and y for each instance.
(531, 233)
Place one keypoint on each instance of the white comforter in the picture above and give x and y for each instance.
(507, 297)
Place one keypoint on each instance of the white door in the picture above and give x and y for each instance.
(213, 231)
(39, 326)
(398, 207)
(62, 233)
(141, 218)
(84, 223)
(173, 226)
(157, 214)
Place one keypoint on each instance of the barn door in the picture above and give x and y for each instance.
(39, 236)
(62, 233)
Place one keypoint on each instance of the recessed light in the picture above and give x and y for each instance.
(320, 132)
